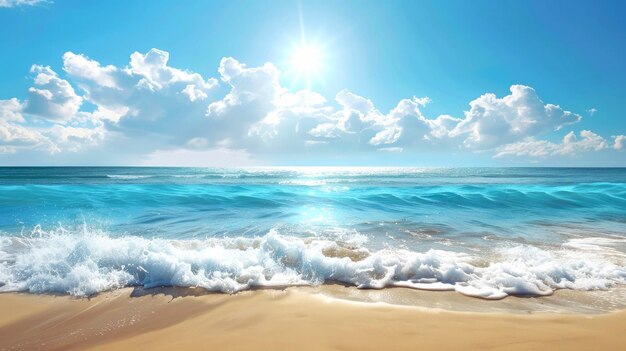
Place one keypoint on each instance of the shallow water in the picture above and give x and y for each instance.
(485, 232)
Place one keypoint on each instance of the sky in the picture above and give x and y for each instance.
(333, 83)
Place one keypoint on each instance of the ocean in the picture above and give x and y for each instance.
(483, 232)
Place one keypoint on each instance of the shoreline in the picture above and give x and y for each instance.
(311, 318)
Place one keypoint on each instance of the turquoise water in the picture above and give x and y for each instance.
(485, 232)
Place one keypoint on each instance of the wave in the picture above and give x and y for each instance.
(92, 262)
(128, 176)
(595, 196)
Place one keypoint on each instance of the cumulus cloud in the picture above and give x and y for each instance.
(490, 123)
(42, 121)
(11, 110)
(493, 121)
(147, 100)
(254, 94)
(358, 124)
(248, 85)
(153, 109)
(74, 138)
(258, 114)
(570, 145)
(51, 98)
(14, 138)
(403, 125)
(155, 73)
(81, 66)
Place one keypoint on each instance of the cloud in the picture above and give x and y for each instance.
(493, 121)
(148, 102)
(259, 115)
(358, 125)
(150, 109)
(16, 3)
(571, 145)
(11, 110)
(17, 135)
(156, 74)
(254, 94)
(74, 138)
(42, 121)
(51, 98)
(490, 123)
(14, 138)
(402, 125)
(81, 66)
(619, 142)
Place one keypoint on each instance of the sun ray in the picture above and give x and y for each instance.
(306, 62)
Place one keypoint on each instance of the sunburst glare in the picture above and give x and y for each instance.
(306, 63)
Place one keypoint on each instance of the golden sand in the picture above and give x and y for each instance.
(291, 319)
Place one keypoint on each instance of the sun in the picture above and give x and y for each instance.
(307, 59)
(306, 62)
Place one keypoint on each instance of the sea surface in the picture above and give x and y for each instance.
(483, 232)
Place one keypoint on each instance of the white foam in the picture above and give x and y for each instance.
(606, 246)
(188, 175)
(128, 176)
(87, 263)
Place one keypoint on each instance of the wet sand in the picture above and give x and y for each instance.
(298, 318)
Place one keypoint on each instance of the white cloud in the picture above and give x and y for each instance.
(248, 85)
(51, 98)
(588, 141)
(570, 145)
(441, 126)
(360, 123)
(259, 114)
(493, 121)
(16, 3)
(404, 125)
(14, 137)
(151, 108)
(52, 105)
(324, 130)
(194, 93)
(619, 142)
(11, 110)
(156, 74)
(388, 135)
(81, 66)
(148, 101)
(75, 138)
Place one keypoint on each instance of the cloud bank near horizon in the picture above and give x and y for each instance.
(155, 111)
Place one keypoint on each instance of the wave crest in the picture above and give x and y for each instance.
(89, 263)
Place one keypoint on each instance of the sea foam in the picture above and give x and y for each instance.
(86, 263)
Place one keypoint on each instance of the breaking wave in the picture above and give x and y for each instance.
(82, 264)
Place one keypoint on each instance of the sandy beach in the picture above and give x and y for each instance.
(295, 318)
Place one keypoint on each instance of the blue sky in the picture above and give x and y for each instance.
(545, 78)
